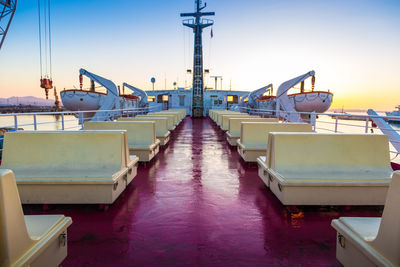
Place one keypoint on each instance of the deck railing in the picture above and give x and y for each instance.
(337, 122)
(73, 120)
(61, 117)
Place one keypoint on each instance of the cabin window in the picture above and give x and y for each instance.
(220, 102)
(151, 98)
(165, 98)
(181, 100)
(232, 99)
(215, 102)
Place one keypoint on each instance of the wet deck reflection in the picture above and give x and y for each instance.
(198, 204)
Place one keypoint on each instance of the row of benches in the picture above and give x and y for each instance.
(304, 168)
(90, 166)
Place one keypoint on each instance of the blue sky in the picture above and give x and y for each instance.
(352, 45)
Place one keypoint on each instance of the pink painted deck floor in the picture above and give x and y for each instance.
(198, 204)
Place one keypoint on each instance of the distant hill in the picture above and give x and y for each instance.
(26, 100)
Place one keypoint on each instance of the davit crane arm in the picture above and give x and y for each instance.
(283, 102)
(257, 93)
(110, 102)
(138, 92)
(108, 84)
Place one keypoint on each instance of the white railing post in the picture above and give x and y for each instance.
(34, 122)
(62, 122)
(366, 125)
(81, 119)
(336, 123)
(313, 120)
(15, 122)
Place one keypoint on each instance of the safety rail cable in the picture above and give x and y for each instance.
(78, 114)
(334, 115)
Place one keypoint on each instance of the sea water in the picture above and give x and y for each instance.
(44, 122)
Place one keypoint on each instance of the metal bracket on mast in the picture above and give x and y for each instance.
(198, 24)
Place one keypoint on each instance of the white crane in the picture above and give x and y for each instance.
(7, 11)
(108, 103)
(284, 107)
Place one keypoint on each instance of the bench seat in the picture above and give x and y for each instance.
(32, 240)
(218, 117)
(171, 119)
(226, 118)
(327, 169)
(162, 132)
(370, 241)
(76, 167)
(254, 137)
(176, 115)
(142, 139)
(181, 111)
(235, 124)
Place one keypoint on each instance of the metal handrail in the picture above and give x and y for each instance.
(78, 114)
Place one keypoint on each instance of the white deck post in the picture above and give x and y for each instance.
(15, 122)
(62, 122)
(34, 122)
(336, 123)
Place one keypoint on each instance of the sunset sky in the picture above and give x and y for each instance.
(354, 46)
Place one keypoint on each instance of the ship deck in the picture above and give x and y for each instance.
(199, 204)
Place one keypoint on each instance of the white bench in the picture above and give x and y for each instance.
(218, 116)
(225, 119)
(162, 132)
(214, 113)
(181, 111)
(34, 240)
(171, 119)
(328, 169)
(142, 139)
(254, 137)
(371, 241)
(235, 124)
(176, 115)
(54, 167)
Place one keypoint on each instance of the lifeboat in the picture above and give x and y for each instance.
(317, 101)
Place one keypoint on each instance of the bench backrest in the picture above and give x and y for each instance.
(181, 111)
(337, 153)
(171, 118)
(14, 237)
(235, 124)
(140, 133)
(255, 134)
(174, 115)
(161, 123)
(387, 241)
(225, 119)
(214, 113)
(57, 153)
(218, 117)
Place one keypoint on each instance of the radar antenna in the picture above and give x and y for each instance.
(198, 24)
(7, 11)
